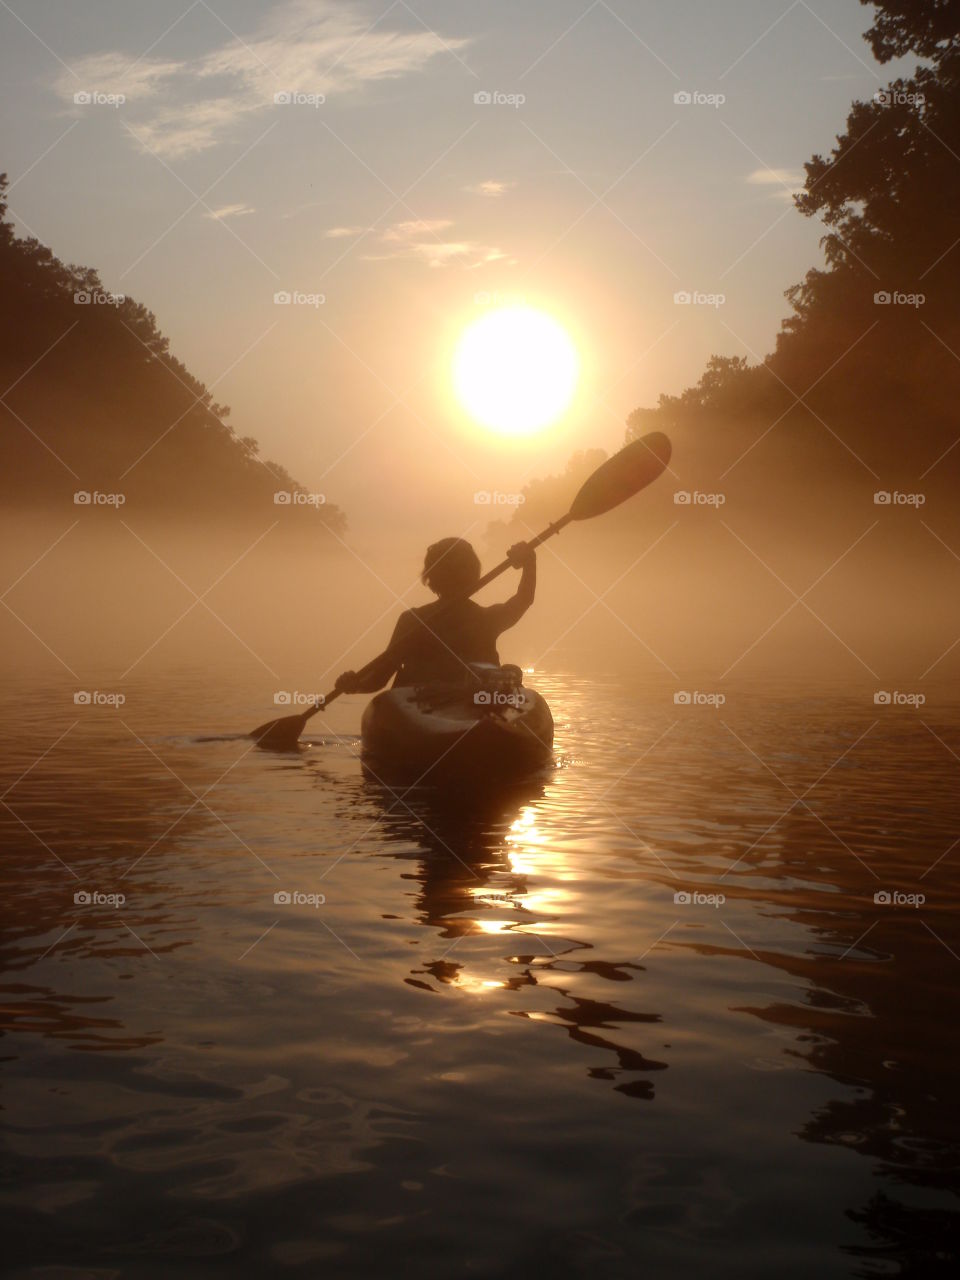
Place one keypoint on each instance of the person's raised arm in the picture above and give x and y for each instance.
(522, 556)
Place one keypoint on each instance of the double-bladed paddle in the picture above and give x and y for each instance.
(620, 477)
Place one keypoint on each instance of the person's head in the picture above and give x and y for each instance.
(451, 567)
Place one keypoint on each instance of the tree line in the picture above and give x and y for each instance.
(94, 403)
(871, 346)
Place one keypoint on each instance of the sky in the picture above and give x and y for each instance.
(405, 168)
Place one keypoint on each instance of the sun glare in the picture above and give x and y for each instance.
(515, 370)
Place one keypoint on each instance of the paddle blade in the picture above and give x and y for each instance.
(280, 735)
(620, 477)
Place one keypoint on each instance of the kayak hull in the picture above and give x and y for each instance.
(424, 735)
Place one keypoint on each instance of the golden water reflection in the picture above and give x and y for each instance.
(474, 868)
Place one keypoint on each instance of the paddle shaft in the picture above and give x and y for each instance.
(495, 572)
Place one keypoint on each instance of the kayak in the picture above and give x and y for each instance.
(491, 730)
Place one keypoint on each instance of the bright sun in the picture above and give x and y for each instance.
(515, 370)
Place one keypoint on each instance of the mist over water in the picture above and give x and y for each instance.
(699, 574)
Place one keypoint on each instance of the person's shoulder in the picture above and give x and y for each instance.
(420, 613)
(407, 619)
(469, 609)
(448, 605)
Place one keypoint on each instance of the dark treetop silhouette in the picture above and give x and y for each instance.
(872, 341)
(111, 408)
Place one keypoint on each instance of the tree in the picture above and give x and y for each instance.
(97, 400)
(928, 28)
(872, 343)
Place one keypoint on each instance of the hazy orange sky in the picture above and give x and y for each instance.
(583, 187)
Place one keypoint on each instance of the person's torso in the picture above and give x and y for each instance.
(445, 637)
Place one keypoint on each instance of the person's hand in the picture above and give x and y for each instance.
(521, 554)
(347, 682)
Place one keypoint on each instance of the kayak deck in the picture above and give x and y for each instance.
(435, 734)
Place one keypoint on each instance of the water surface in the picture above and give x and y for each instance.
(502, 1044)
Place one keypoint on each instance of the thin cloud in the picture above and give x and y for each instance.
(785, 183)
(308, 47)
(418, 240)
(440, 252)
(117, 73)
(341, 233)
(408, 231)
(229, 211)
(492, 188)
